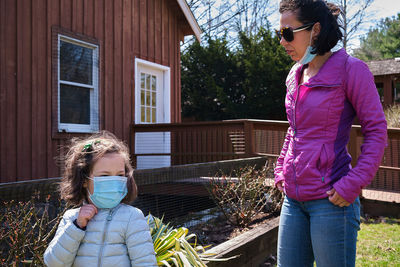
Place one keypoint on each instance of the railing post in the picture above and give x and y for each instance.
(249, 140)
(353, 146)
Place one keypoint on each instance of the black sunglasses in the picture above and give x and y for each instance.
(287, 32)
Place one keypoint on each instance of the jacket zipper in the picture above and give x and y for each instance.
(108, 220)
(294, 141)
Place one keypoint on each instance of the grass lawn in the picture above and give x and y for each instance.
(379, 243)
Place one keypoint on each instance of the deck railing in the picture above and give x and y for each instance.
(213, 141)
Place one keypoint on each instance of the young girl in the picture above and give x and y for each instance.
(103, 231)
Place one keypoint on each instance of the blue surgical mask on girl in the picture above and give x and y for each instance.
(108, 191)
(308, 56)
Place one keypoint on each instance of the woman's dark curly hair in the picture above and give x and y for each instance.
(308, 11)
(78, 164)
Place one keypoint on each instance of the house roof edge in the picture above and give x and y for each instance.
(381, 67)
(190, 18)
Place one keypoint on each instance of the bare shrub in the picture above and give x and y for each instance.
(392, 114)
(25, 231)
(245, 193)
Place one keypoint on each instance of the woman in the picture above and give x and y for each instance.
(325, 91)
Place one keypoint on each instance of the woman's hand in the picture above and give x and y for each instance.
(280, 185)
(86, 213)
(336, 199)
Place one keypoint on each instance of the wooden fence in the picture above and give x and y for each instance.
(232, 139)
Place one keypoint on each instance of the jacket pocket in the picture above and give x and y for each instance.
(322, 163)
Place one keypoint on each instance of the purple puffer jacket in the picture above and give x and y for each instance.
(314, 156)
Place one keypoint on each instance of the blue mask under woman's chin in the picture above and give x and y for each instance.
(308, 56)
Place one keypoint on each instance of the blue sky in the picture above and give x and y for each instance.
(385, 8)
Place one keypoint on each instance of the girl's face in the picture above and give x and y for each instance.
(111, 164)
(296, 48)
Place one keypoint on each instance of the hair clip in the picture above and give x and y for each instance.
(89, 146)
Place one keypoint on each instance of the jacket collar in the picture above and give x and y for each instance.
(85, 202)
(330, 73)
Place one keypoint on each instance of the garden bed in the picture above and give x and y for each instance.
(253, 247)
(217, 229)
(256, 243)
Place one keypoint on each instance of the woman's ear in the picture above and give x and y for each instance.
(316, 29)
(85, 184)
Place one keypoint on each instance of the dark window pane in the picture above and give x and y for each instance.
(148, 81)
(74, 104)
(397, 92)
(153, 82)
(75, 63)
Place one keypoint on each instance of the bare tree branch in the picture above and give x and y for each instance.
(230, 17)
(354, 16)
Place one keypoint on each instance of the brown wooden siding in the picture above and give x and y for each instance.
(125, 30)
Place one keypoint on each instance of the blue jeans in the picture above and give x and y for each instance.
(318, 230)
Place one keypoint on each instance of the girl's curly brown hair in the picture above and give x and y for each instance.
(78, 164)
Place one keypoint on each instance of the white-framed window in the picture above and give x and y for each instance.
(78, 85)
(148, 97)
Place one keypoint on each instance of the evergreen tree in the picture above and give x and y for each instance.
(248, 82)
(265, 65)
(382, 42)
(207, 72)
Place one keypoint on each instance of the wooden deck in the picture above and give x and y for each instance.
(225, 140)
